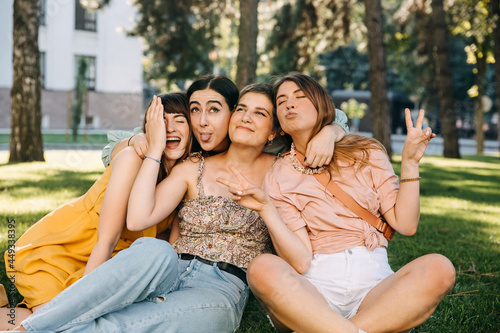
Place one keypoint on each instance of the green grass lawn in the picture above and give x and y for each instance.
(90, 139)
(460, 219)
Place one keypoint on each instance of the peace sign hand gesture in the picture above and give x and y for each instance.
(417, 139)
(245, 193)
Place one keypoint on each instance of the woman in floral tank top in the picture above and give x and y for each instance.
(203, 286)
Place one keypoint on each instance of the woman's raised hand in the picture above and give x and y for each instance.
(245, 193)
(417, 139)
(155, 127)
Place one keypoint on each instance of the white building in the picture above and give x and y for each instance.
(69, 33)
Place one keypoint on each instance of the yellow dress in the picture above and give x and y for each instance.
(53, 253)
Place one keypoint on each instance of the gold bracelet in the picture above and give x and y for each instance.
(409, 180)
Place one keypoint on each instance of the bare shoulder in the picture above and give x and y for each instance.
(126, 157)
(187, 168)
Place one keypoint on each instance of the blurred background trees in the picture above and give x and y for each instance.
(431, 54)
(26, 115)
(440, 57)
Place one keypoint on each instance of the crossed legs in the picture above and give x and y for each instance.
(398, 303)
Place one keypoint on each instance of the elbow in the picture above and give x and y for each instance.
(303, 266)
(408, 231)
(133, 224)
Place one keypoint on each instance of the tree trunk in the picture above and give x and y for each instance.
(26, 118)
(479, 112)
(378, 74)
(445, 81)
(494, 12)
(247, 33)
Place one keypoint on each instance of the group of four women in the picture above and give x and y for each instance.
(232, 206)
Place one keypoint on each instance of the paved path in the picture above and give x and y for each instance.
(467, 146)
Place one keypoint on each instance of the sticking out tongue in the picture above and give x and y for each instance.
(205, 137)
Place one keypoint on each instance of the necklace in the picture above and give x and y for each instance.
(296, 164)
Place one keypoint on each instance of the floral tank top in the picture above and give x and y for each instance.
(219, 229)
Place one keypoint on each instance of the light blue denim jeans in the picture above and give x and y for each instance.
(146, 288)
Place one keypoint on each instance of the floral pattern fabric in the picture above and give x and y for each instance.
(218, 229)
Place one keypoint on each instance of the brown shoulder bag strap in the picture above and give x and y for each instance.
(378, 223)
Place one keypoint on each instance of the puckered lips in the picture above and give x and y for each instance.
(173, 142)
(291, 114)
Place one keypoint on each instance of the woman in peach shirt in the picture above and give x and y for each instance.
(332, 273)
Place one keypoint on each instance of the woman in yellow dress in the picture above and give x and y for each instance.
(77, 237)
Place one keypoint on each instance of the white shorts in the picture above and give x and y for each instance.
(345, 278)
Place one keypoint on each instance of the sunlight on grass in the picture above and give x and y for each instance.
(62, 159)
(28, 190)
(460, 218)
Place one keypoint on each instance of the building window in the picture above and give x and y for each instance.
(85, 19)
(90, 71)
(42, 69)
(43, 12)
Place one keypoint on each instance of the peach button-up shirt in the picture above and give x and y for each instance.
(303, 202)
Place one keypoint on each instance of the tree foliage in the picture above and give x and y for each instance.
(470, 20)
(494, 13)
(304, 29)
(179, 37)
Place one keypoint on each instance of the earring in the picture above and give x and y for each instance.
(269, 142)
(282, 133)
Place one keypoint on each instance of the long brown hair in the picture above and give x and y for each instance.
(352, 150)
(176, 102)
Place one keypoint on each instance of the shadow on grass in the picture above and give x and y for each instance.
(47, 181)
(50, 181)
(478, 184)
(473, 303)
(254, 318)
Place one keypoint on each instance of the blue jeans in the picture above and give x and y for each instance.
(146, 288)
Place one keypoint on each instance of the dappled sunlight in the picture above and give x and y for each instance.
(28, 191)
(463, 163)
(61, 159)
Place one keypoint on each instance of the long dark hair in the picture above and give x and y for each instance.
(176, 102)
(220, 84)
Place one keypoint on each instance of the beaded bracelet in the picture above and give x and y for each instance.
(154, 159)
(409, 180)
(128, 142)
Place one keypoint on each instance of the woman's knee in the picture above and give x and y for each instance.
(440, 271)
(269, 274)
(261, 271)
(153, 250)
